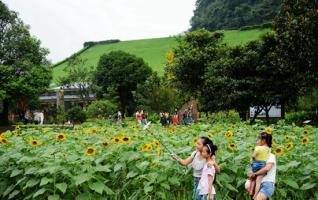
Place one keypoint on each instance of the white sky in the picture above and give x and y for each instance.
(64, 25)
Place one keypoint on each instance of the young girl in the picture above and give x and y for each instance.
(206, 189)
(198, 162)
(260, 156)
(175, 119)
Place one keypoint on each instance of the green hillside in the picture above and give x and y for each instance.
(153, 51)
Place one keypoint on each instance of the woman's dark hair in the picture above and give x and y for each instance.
(209, 143)
(206, 140)
(267, 137)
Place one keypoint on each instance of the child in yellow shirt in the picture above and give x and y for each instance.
(260, 156)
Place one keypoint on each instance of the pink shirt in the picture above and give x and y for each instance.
(204, 181)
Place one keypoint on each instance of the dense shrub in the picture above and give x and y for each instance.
(102, 108)
(301, 116)
(92, 43)
(76, 114)
(225, 117)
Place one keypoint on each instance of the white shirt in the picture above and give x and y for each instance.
(271, 174)
(204, 186)
(197, 164)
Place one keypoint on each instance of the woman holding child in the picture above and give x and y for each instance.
(261, 183)
(204, 168)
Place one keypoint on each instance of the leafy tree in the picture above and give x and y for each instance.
(309, 102)
(190, 58)
(78, 75)
(297, 29)
(24, 71)
(228, 14)
(102, 108)
(247, 76)
(76, 114)
(154, 96)
(120, 73)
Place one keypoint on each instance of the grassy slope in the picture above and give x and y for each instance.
(153, 51)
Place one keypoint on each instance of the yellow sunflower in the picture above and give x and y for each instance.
(305, 132)
(116, 140)
(156, 142)
(60, 137)
(90, 151)
(218, 129)
(229, 134)
(35, 143)
(194, 141)
(105, 144)
(144, 148)
(147, 147)
(3, 135)
(289, 146)
(286, 138)
(231, 146)
(209, 134)
(45, 130)
(126, 139)
(278, 151)
(4, 140)
(17, 128)
(94, 131)
(158, 152)
(305, 140)
(268, 130)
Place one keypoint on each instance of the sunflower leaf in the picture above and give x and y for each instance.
(97, 187)
(62, 187)
(308, 186)
(291, 183)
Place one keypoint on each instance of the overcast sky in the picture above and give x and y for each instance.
(64, 25)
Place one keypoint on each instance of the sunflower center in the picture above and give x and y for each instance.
(61, 136)
(125, 139)
(90, 151)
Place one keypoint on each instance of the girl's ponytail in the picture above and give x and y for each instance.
(267, 137)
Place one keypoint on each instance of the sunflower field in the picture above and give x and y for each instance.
(100, 160)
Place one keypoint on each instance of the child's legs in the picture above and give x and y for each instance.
(252, 186)
(258, 184)
(204, 197)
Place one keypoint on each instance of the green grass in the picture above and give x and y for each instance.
(153, 51)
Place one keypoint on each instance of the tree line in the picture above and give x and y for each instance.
(233, 14)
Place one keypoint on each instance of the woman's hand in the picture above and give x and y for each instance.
(175, 157)
(212, 163)
(252, 175)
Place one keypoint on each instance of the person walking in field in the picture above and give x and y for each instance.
(41, 117)
(175, 119)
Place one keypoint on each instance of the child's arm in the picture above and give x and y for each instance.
(210, 179)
